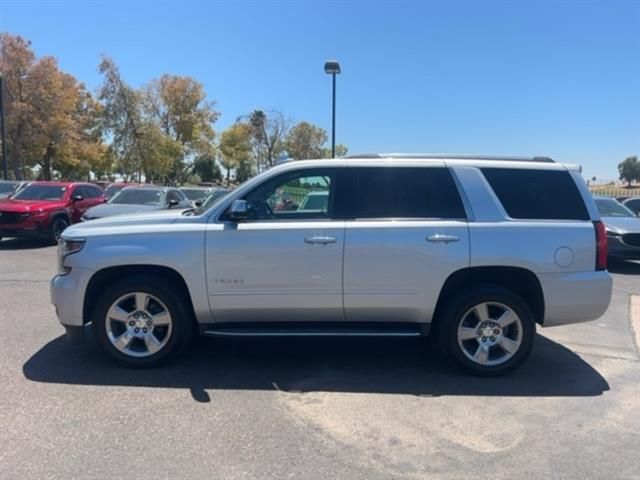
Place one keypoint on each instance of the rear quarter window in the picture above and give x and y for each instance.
(537, 194)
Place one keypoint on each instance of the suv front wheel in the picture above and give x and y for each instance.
(488, 331)
(142, 321)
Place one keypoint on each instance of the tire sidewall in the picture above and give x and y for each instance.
(54, 222)
(165, 292)
(457, 308)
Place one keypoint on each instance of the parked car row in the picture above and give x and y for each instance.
(45, 209)
(622, 226)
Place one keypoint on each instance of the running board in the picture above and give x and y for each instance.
(355, 329)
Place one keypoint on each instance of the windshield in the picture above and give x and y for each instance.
(7, 187)
(41, 192)
(611, 208)
(213, 198)
(194, 194)
(137, 196)
(112, 190)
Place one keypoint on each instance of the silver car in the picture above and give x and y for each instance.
(633, 204)
(623, 228)
(139, 200)
(477, 251)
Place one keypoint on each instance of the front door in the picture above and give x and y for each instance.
(284, 263)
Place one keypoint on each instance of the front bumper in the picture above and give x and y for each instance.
(618, 249)
(67, 296)
(26, 231)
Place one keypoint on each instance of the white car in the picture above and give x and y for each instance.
(476, 250)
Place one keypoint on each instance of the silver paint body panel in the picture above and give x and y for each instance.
(383, 270)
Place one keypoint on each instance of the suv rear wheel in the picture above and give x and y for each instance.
(488, 331)
(142, 321)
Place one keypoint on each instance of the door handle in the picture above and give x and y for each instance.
(441, 238)
(319, 240)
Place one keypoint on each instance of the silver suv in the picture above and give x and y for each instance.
(474, 251)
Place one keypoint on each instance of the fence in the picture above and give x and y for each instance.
(614, 192)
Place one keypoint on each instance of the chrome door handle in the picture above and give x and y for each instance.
(441, 238)
(319, 240)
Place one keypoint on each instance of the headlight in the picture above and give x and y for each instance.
(66, 247)
(613, 233)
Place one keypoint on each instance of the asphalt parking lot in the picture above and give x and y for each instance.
(311, 409)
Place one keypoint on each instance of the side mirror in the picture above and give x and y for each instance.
(172, 203)
(77, 198)
(239, 210)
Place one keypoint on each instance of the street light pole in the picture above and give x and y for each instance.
(3, 132)
(333, 67)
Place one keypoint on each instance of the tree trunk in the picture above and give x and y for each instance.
(46, 163)
(16, 156)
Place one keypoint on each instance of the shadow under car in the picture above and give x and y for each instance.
(359, 365)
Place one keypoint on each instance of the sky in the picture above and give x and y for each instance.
(557, 78)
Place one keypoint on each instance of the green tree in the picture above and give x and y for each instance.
(629, 170)
(207, 169)
(179, 107)
(122, 120)
(268, 132)
(235, 151)
(51, 118)
(305, 141)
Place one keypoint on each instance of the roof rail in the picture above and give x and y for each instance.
(453, 156)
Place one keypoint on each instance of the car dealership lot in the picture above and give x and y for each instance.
(311, 408)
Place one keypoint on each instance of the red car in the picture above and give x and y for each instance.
(45, 209)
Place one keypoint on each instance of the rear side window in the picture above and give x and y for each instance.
(537, 194)
(406, 192)
(92, 192)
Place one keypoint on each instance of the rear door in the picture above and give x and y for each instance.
(407, 233)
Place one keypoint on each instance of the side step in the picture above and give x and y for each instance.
(315, 329)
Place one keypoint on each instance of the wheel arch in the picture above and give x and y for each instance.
(519, 280)
(58, 214)
(108, 275)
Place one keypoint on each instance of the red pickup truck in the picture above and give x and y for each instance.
(45, 209)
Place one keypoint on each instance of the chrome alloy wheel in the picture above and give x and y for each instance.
(490, 333)
(138, 324)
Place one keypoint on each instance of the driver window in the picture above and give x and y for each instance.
(172, 196)
(295, 196)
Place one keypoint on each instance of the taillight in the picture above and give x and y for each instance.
(601, 246)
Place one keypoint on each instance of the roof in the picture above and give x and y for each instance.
(148, 187)
(450, 156)
(54, 183)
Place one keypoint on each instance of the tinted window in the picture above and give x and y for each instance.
(137, 196)
(174, 195)
(92, 192)
(608, 207)
(537, 194)
(633, 205)
(41, 192)
(195, 193)
(403, 192)
(7, 187)
(85, 191)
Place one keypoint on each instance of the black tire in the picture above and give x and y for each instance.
(177, 304)
(58, 225)
(456, 311)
